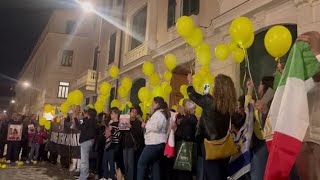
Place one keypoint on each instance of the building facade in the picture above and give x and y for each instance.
(63, 52)
(133, 31)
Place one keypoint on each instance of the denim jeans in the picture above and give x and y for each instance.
(151, 155)
(129, 163)
(13, 150)
(84, 162)
(109, 156)
(259, 160)
(34, 150)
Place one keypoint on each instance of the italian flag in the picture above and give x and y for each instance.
(288, 118)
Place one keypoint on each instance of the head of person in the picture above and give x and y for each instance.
(159, 103)
(3, 116)
(114, 113)
(19, 118)
(92, 113)
(189, 107)
(135, 111)
(33, 118)
(265, 84)
(240, 106)
(14, 116)
(38, 128)
(224, 94)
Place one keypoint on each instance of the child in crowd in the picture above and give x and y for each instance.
(36, 137)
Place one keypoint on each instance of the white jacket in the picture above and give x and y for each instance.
(313, 132)
(156, 129)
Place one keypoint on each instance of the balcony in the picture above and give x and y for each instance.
(136, 53)
(88, 80)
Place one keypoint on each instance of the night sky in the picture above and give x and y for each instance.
(22, 22)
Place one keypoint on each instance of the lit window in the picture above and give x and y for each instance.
(190, 7)
(67, 57)
(63, 90)
(139, 24)
(112, 48)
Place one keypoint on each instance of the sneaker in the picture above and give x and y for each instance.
(16, 162)
(28, 162)
(35, 162)
(8, 161)
(103, 179)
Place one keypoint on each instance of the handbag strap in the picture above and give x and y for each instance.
(134, 141)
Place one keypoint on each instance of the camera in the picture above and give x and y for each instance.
(206, 89)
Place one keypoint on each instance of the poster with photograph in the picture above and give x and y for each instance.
(14, 132)
(124, 122)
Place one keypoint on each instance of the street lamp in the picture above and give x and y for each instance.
(26, 84)
(88, 7)
(13, 101)
(4, 111)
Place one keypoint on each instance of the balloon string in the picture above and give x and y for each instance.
(249, 71)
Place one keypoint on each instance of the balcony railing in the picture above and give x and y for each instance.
(136, 53)
(88, 80)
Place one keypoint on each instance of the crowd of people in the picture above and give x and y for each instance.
(137, 152)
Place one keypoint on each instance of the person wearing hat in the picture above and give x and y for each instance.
(132, 141)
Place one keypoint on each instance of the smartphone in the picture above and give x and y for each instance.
(268, 96)
(206, 89)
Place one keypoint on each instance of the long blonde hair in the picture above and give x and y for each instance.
(224, 94)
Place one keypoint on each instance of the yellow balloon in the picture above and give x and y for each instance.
(170, 61)
(181, 102)
(278, 41)
(129, 104)
(123, 91)
(166, 88)
(126, 82)
(221, 52)
(105, 89)
(147, 68)
(249, 43)
(198, 111)
(48, 108)
(183, 90)
(155, 79)
(158, 92)
(232, 46)
(42, 121)
(175, 108)
(3, 166)
(241, 30)
(47, 125)
(115, 103)
(238, 55)
(203, 53)
(184, 26)
(144, 94)
(102, 99)
(167, 76)
(114, 71)
(64, 108)
(99, 107)
(196, 38)
(77, 97)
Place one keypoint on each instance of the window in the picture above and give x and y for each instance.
(70, 26)
(190, 7)
(63, 90)
(139, 24)
(87, 100)
(67, 57)
(171, 19)
(112, 47)
(261, 63)
(112, 96)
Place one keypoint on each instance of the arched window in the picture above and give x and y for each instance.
(137, 84)
(261, 63)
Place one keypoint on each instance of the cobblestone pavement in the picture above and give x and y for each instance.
(43, 171)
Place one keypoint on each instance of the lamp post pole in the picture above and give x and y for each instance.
(97, 57)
